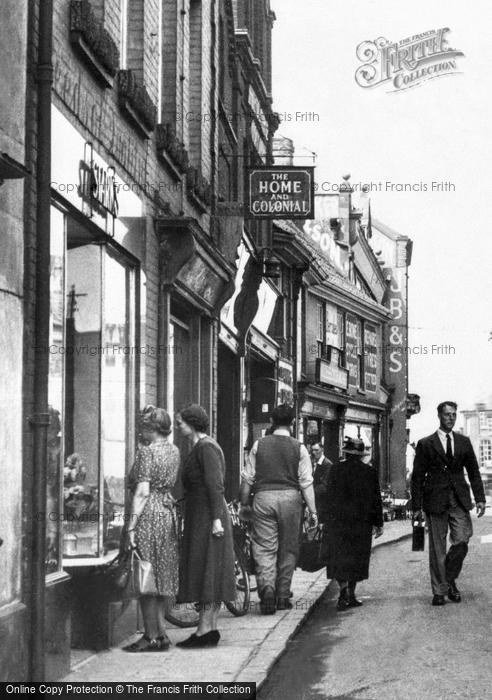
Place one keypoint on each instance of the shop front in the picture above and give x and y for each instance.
(94, 361)
(321, 419)
(195, 281)
(365, 422)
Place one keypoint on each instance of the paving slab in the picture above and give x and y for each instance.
(248, 648)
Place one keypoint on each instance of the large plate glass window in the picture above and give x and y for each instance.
(91, 391)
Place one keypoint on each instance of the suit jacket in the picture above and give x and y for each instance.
(320, 477)
(433, 476)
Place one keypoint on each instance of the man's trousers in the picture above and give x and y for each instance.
(446, 567)
(277, 518)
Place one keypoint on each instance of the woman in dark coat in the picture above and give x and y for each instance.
(351, 513)
(207, 558)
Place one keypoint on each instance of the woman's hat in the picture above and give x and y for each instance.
(355, 446)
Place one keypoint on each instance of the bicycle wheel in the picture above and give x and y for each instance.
(182, 615)
(240, 605)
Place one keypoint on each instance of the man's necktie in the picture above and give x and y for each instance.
(449, 451)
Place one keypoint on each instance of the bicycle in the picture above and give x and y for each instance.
(186, 614)
(242, 562)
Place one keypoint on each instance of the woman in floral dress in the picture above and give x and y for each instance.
(152, 526)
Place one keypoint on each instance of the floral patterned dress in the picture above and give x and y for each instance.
(156, 533)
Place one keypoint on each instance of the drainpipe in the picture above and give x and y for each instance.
(40, 419)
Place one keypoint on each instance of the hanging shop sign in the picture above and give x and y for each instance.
(280, 193)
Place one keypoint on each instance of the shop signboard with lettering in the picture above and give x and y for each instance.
(370, 357)
(280, 193)
(352, 345)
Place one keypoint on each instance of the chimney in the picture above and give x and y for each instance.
(283, 150)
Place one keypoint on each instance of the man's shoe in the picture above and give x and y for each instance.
(438, 600)
(210, 639)
(267, 604)
(284, 604)
(453, 593)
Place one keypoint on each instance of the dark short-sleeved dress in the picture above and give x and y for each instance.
(207, 562)
(156, 533)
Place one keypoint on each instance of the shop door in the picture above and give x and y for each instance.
(228, 417)
(181, 376)
(331, 431)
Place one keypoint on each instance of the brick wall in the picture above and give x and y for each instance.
(150, 37)
(195, 86)
(135, 38)
(171, 60)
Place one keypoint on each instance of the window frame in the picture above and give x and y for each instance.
(109, 249)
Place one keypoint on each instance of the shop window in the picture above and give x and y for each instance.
(55, 392)
(312, 430)
(91, 389)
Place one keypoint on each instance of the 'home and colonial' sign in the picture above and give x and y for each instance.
(281, 193)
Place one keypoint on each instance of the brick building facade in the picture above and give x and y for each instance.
(137, 138)
(14, 589)
(342, 390)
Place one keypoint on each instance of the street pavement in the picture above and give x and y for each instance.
(248, 648)
(397, 645)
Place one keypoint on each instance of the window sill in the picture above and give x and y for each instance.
(168, 163)
(203, 206)
(88, 56)
(133, 117)
(77, 562)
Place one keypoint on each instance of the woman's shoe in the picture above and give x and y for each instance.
(164, 642)
(150, 645)
(353, 602)
(343, 600)
(209, 639)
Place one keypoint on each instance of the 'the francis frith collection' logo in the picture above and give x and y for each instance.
(406, 63)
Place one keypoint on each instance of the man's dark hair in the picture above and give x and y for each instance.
(283, 415)
(447, 403)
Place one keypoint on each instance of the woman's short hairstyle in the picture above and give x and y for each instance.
(154, 418)
(196, 417)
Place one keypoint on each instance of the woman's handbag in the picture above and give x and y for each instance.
(418, 536)
(118, 570)
(310, 551)
(141, 577)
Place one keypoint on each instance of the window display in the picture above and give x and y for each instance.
(91, 394)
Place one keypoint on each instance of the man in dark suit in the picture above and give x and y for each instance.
(321, 467)
(439, 488)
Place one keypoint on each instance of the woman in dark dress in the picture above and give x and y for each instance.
(206, 571)
(351, 512)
